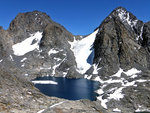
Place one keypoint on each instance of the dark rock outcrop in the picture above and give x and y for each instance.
(146, 35)
(119, 43)
(27, 23)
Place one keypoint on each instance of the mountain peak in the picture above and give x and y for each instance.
(125, 16)
(127, 31)
(120, 8)
(29, 21)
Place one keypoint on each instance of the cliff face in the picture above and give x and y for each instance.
(120, 43)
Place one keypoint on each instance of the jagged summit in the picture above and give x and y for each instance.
(30, 20)
(120, 7)
(29, 23)
(122, 13)
(127, 18)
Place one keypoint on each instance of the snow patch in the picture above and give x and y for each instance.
(52, 51)
(142, 80)
(95, 69)
(57, 104)
(57, 65)
(103, 102)
(132, 71)
(26, 46)
(1, 60)
(116, 92)
(26, 74)
(116, 110)
(127, 84)
(134, 76)
(100, 91)
(64, 74)
(140, 109)
(85, 76)
(125, 17)
(82, 50)
(22, 65)
(100, 80)
(140, 36)
(118, 74)
(46, 68)
(141, 32)
(41, 111)
(23, 59)
(57, 59)
(117, 95)
(89, 77)
(11, 58)
(44, 82)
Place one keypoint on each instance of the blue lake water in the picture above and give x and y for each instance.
(72, 89)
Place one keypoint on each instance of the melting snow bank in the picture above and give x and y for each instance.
(44, 82)
(82, 50)
(27, 45)
(109, 91)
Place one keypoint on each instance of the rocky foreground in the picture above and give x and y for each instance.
(116, 54)
(17, 95)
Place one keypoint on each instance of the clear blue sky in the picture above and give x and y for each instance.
(80, 17)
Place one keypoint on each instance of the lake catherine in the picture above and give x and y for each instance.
(72, 89)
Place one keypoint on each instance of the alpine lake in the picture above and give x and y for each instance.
(71, 89)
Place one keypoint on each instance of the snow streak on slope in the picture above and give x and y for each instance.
(125, 16)
(109, 91)
(26, 45)
(82, 50)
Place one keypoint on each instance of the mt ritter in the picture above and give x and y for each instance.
(116, 54)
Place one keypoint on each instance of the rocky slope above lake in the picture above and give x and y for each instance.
(122, 58)
(116, 54)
